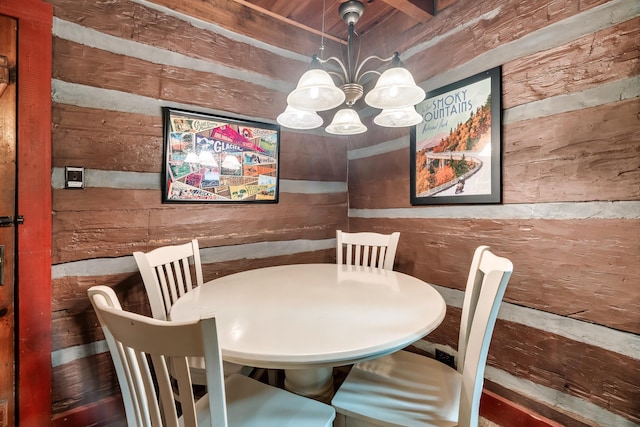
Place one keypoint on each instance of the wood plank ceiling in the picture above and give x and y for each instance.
(308, 14)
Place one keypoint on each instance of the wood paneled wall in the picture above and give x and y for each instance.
(115, 64)
(567, 340)
(568, 335)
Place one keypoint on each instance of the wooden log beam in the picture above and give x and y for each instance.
(239, 17)
(421, 10)
(289, 21)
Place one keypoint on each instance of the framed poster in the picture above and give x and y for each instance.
(217, 159)
(456, 150)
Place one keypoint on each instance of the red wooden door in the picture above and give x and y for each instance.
(32, 289)
(8, 35)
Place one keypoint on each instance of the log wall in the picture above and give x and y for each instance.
(115, 64)
(567, 340)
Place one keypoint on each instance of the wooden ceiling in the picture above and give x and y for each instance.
(308, 14)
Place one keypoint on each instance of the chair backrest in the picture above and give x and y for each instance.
(107, 297)
(167, 274)
(134, 340)
(367, 249)
(486, 284)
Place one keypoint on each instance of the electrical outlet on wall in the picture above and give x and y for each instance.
(74, 177)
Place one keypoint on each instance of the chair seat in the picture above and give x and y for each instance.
(402, 389)
(251, 403)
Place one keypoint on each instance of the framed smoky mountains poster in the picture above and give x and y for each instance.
(456, 150)
(215, 159)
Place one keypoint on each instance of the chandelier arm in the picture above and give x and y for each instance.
(340, 76)
(345, 76)
(367, 72)
(367, 59)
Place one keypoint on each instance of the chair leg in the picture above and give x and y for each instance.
(339, 421)
(272, 375)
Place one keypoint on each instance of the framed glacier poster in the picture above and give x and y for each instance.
(456, 150)
(215, 159)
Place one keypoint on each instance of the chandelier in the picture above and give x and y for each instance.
(395, 92)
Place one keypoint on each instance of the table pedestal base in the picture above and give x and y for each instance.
(316, 383)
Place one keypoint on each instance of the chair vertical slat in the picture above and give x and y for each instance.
(134, 385)
(143, 386)
(375, 262)
(197, 263)
(171, 271)
(186, 268)
(383, 251)
(178, 277)
(161, 277)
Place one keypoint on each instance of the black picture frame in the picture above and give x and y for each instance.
(455, 153)
(215, 159)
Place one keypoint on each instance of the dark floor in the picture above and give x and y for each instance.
(339, 374)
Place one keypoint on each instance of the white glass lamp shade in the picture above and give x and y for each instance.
(295, 118)
(398, 117)
(316, 91)
(346, 122)
(395, 88)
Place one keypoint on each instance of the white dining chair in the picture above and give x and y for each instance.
(168, 273)
(144, 350)
(367, 249)
(407, 389)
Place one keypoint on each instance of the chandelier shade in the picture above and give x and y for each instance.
(398, 117)
(316, 91)
(395, 92)
(395, 89)
(346, 122)
(297, 118)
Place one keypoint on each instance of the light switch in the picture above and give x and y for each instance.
(74, 177)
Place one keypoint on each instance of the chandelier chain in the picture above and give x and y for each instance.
(324, 11)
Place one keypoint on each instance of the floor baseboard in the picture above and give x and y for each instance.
(503, 412)
(110, 411)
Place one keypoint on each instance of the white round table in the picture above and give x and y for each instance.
(308, 318)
